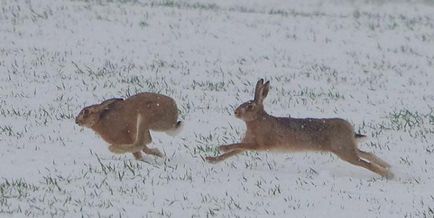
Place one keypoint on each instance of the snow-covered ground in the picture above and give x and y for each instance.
(370, 62)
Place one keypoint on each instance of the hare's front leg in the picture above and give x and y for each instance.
(223, 156)
(231, 150)
(237, 146)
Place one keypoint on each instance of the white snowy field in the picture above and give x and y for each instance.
(370, 62)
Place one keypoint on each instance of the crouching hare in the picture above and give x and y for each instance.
(269, 133)
(125, 123)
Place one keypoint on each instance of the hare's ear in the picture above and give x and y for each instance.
(258, 89)
(262, 93)
(107, 104)
(90, 110)
(265, 89)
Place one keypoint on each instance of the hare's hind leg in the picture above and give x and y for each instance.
(153, 151)
(352, 157)
(143, 137)
(373, 158)
(146, 149)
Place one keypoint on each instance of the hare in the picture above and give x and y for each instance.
(269, 133)
(125, 123)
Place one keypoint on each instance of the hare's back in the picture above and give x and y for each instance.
(308, 133)
(314, 124)
(158, 111)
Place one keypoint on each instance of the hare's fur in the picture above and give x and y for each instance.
(269, 133)
(125, 123)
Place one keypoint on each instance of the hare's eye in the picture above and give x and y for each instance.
(250, 107)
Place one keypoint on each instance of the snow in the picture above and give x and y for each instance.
(370, 62)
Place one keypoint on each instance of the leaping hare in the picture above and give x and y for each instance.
(125, 123)
(269, 133)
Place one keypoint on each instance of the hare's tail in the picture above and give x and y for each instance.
(176, 129)
(357, 135)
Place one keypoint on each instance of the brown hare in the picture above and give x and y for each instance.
(269, 133)
(125, 123)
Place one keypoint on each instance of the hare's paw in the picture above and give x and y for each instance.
(389, 174)
(157, 153)
(153, 151)
(138, 156)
